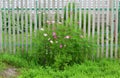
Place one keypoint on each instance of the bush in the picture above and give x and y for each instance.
(60, 47)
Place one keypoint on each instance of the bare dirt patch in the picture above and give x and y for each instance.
(9, 73)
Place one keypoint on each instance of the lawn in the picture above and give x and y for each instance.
(101, 68)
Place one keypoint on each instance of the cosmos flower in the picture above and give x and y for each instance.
(48, 39)
(53, 22)
(56, 41)
(48, 22)
(67, 37)
(42, 29)
(54, 35)
(45, 34)
(51, 41)
(61, 45)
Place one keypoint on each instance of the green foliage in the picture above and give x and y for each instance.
(2, 65)
(102, 68)
(89, 69)
(16, 60)
(61, 47)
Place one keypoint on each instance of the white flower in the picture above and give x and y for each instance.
(48, 22)
(59, 22)
(45, 35)
(67, 37)
(51, 41)
(56, 41)
(53, 22)
(64, 45)
(42, 29)
(48, 39)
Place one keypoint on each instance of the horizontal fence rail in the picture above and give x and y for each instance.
(99, 19)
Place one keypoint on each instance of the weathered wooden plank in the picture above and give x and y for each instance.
(1, 47)
(107, 32)
(116, 29)
(13, 27)
(98, 30)
(22, 24)
(80, 14)
(112, 30)
(26, 24)
(89, 19)
(5, 27)
(84, 26)
(31, 24)
(93, 19)
(103, 24)
(18, 27)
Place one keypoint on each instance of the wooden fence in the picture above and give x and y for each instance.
(20, 19)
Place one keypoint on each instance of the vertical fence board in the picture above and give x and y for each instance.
(35, 17)
(98, 30)
(67, 3)
(107, 31)
(102, 38)
(9, 26)
(89, 18)
(39, 14)
(76, 22)
(30, 5)
(14, 27)
(62, 17)
(49, 14)
(22, 24)
(80, 14)
(116, 29)
(84, 26)
(58, 2)
(71, 12)
(93, 19)
(1, 29)
(112, 30)
(18, 25)
(5, 31)
(53, 13)
(26, 24)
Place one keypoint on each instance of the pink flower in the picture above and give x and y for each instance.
(55, 37)
(53, 22)
(61, 45)
(54, 34)
(67, 37)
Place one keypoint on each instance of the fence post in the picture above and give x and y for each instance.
(0, 29)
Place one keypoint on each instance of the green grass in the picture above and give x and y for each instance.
(2, 66)
(102, 68)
